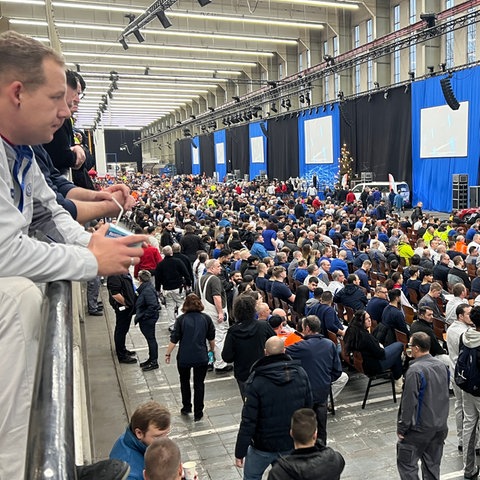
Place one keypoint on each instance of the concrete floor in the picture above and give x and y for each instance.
(366, 438)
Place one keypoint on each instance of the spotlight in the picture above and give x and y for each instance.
(431, 69)
(411, 76)
(114, 85)
(288, 103)
(237, 99)
(443, 67)
(311, 111)
(162, 18)
(202, 3)
(110, 94)
(193, 117)
(130, 16)
(272, 84)
(179, 122)
(211, 109)
(332, 106)
(301, 98)
(273, 108)
(186, 132)
(324, 109)
(123, 43)
(329, 59)
(385, 94)
(376, 85)
(369, 98)
(77, 66)
(429, 19)
(307, 99)
(224, 121)
(140, 38)
(341, 96)
(147, 70)
(203, 128)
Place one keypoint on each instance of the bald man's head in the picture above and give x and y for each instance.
(274, 346)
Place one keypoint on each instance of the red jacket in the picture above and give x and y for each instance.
(148, 261)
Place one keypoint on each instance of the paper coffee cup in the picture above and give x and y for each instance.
(189, 470)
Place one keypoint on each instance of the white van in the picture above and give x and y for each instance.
(384, 187)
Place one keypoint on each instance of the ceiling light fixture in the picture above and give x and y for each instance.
(162, 18)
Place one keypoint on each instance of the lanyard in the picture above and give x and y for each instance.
(22, 152)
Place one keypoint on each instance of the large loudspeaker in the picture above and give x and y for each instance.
(475, 196)
(448, 93)
(459, 191)
(264, 129)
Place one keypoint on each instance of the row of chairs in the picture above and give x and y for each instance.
(355, 360)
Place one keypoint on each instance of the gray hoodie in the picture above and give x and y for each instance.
(471, 338)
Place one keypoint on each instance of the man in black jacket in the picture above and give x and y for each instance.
(424, 323)
(172, 276)
(310, 460)
(352, 295)
(122, 299)
(277, 387)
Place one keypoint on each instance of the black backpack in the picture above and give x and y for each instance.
(467, 375)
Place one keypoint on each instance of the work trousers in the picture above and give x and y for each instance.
(20, 329)
(199, 374)
(122, 325)
(425, 446)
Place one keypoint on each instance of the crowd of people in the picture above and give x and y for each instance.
(271, 276)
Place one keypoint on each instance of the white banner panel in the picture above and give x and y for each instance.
(220, 151)
(444, 132)
(318, 140)
(256, 145)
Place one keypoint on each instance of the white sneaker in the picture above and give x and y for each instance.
(399, 385)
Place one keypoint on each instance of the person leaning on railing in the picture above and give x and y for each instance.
(33, 106)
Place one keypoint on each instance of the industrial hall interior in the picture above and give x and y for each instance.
(203, 103)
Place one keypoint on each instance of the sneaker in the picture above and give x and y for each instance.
(145, 363)
(186, 411)
(95, 313)
(399, 385)
(198, 417)
(130, 353)
(150, 366)
(127, 360)
(104, 470)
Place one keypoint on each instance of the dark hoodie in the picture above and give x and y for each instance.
(351, 296)
(310, 463)
(276, 388)
(245, 344)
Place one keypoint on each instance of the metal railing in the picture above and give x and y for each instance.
(51, 444)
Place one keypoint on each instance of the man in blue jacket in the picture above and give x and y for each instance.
(319, 358)
(258, 249)
(148, 423)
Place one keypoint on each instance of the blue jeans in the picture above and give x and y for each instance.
(393, 359)
(256, 462)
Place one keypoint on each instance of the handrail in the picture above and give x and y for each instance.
(50, 450)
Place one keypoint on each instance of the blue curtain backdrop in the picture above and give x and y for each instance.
(195, 150)
(325, 172)
(221, 168)
(256, 131)
(432, 177)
